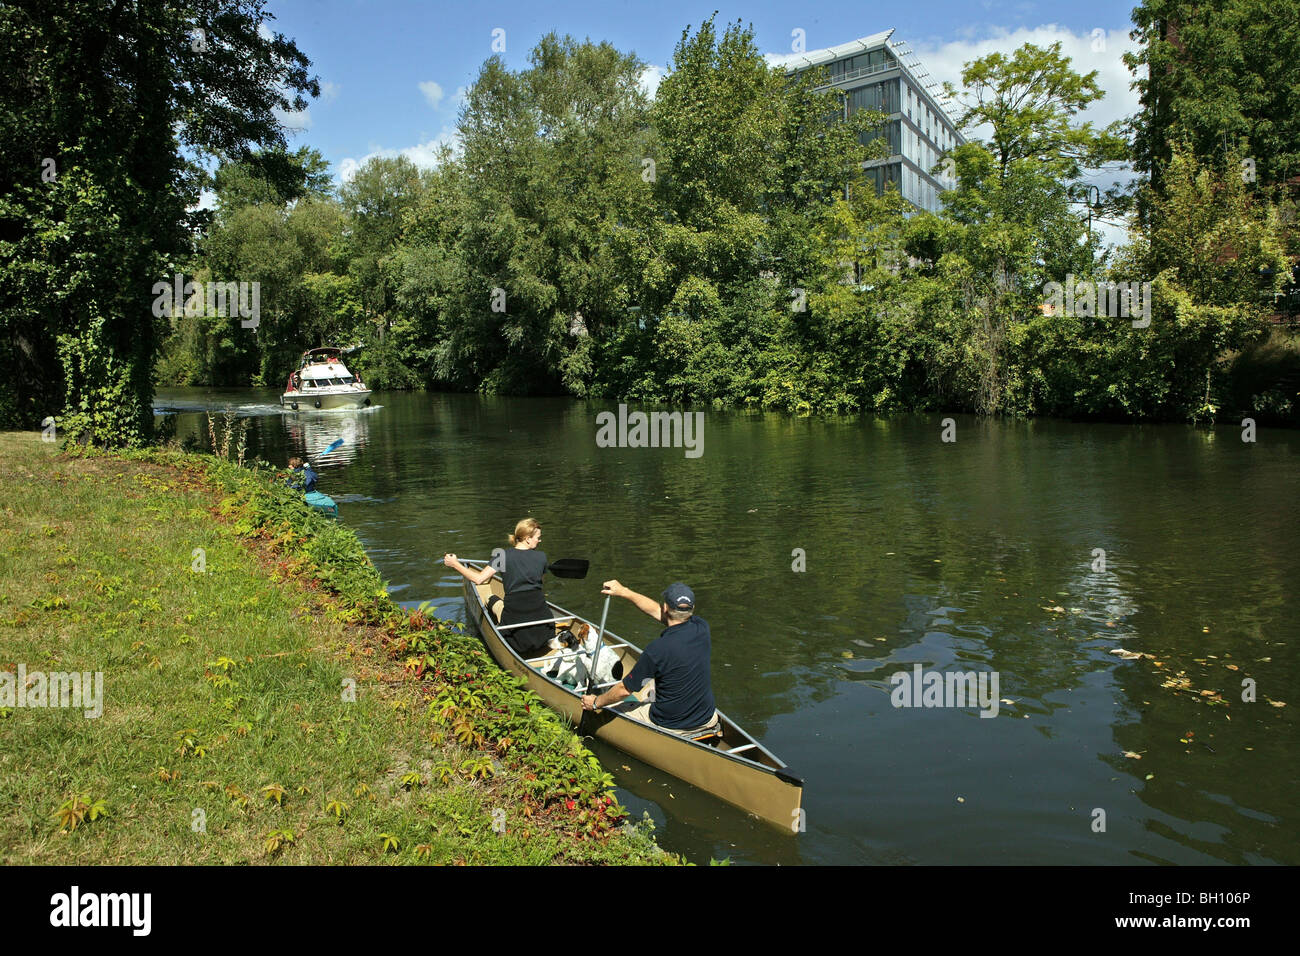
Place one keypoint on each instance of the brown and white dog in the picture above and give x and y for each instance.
(572, 670)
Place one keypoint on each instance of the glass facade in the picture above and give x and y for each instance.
(917, 130)
(881, 95)
(873, 61)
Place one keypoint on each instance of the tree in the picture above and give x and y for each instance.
(376, 200)
(1222, 76)
(545, 202)
(117, 100)
(1213, 257)
(748, 162)
(1012, 202)
(273, 176)
(1030, 100)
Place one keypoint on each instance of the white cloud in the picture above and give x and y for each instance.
(294, 122)
(457, 100)
(945, 62)
(432, 92)
(329, 91)
(423, 155)
(650, 79)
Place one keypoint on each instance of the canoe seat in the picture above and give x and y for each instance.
(710, 734)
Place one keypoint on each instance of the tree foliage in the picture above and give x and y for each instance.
(104, 111)
(1222, 77)
(717, 243)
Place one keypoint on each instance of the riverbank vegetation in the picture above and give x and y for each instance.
(263, 700)
(716, 243)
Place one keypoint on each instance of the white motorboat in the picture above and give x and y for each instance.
(323, 381)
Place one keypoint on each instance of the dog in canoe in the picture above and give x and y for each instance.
(572, 670)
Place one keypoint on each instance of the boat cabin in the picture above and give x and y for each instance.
(321, 368)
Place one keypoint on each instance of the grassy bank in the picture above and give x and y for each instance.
(263, 700)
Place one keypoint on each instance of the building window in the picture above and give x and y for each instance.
(891, 132)
(875, 96)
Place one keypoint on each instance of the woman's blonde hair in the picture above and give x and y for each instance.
(523, 531)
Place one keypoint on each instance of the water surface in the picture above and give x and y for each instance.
(980, 555)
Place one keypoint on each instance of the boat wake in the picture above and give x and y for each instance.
(238, 409)
(184, 406)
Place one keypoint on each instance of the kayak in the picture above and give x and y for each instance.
(726, 762)
(323, 502)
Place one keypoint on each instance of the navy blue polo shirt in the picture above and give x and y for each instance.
(679, 663)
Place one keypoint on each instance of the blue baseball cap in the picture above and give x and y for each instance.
(679, 597)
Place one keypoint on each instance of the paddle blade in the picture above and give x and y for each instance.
(334, 444)
(569, 568)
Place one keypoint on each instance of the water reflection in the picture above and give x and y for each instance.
(311, 432)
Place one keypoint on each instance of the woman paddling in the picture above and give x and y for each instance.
(522, 577)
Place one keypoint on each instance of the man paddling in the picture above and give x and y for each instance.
(678, 662)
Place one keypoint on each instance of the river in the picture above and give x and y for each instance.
(829, 555)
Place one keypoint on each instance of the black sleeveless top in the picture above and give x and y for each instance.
(522, 577)
(525, 601)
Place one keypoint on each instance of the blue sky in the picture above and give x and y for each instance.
(392, 71)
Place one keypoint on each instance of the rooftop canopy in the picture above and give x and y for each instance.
(802, 61)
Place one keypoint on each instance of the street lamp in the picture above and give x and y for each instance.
(1086, 188)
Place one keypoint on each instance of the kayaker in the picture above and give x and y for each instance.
(302, 472)
(678, 662)
(525, 601)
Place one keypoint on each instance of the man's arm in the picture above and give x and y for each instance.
(642, 671)
(612, 696)
(643, 603)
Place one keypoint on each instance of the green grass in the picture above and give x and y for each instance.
(225, 736)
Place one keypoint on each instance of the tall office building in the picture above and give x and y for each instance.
(877, 74)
